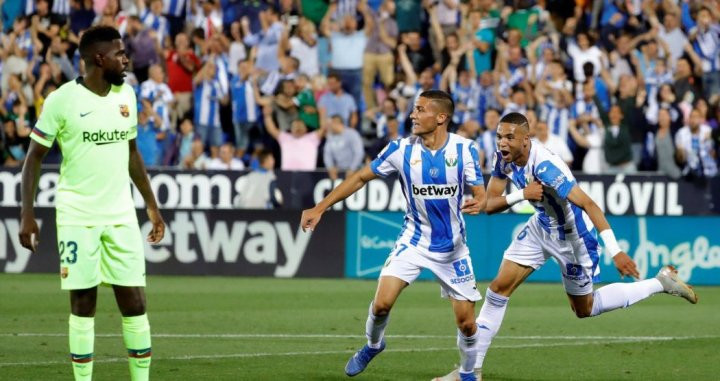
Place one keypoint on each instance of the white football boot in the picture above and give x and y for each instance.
(455, 375)
(675, 286)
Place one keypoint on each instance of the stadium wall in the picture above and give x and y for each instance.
(691, 244)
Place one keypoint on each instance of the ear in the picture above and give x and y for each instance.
(98, 59)
(441, 118)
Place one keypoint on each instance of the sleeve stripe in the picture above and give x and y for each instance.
(41, 134)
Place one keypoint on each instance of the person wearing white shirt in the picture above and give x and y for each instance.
(553, 142)
(226, 160)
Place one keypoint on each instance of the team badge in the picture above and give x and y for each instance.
(451, 161)
(63, 272)
(124, 110)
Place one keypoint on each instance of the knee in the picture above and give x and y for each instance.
(381, 308)
(467, 326)
(583, 312)
(501, 287)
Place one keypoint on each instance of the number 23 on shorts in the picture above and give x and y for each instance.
(71, 248)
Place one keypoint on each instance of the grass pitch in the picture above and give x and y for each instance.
(214, 328)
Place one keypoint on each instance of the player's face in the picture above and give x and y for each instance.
(425, 117)
(511, 140)
(114, 62)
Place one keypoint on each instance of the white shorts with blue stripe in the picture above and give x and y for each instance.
(576, 254)
(454, 272)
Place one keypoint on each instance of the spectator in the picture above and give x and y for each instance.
(244, 107)
(664, 147)
(226, 160)
(179, 145)
(694, 149)
(149, 135)
(589, 133)
(379, 58)
(617, 148)
(348, 45)
(141, 48)
(181, 65)
(258, 189)
(305, 102)
(380, 116)
(298, 148)
(337, 102)
(196, 159)
(552, 142)
(419, 54)
(284, 109)
(207, 17)
(208, 97)
(45, 24)
(267, 40)
(237, 51)
(487, 140)
(154, 20)
(706, 43)
(392, 125)
(158, 93)
(303, 47)
(343, 149)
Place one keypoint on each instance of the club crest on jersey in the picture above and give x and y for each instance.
(64, 272)
(124, 110)
(451, 161)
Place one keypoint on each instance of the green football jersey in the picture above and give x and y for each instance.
(93, 134)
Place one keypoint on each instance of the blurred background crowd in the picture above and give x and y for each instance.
(612, 86)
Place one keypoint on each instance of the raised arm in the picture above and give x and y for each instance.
(270, 126)
(311, 217)
(140, 179)
(624, 264)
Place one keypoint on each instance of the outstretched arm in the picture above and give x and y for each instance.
(311, 217)
(30, 177)
(140, 179)
(624, 264)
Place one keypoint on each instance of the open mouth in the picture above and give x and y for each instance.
(505, 153)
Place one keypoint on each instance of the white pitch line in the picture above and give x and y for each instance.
(353, 336)
(618, 340)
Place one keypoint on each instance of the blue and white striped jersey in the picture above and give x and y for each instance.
(174, 7)
(207, 95)
(555, 213)
(158, 23)
(433, 184)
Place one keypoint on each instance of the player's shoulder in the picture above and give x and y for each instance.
(56, 101)
(124, 89)
(543, 159)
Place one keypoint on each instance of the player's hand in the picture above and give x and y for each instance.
(29, 232)
(533, 192)
(625, 265)
(310, 218)
(471, 206)
(158, 226)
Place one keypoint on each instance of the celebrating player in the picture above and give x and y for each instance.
(434, 167)
(94, 120)
(563, 228)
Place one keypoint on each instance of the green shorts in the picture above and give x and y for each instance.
(91, 255)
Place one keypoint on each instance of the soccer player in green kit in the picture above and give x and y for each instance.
(94, 120)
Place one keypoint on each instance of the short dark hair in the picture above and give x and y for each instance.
(517, 119)
(264, 153)
(442, 99)
(93, 36)
(336, 76)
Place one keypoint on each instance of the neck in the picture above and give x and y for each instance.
(94, 81)
(435, 140)
(524, 157)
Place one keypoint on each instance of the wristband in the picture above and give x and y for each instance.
(611, 244)
(515, 197)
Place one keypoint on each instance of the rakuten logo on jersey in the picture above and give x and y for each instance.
(104, 137)
(434, 191)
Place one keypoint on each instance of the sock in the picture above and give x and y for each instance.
(623, 295)
(468, 351)
(489, 321)
(82, 341)
(375, 328)
(136, 334)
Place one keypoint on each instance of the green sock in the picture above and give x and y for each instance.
(136, 333)
(82, 340)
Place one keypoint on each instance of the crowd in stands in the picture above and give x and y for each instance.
(611, 86)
